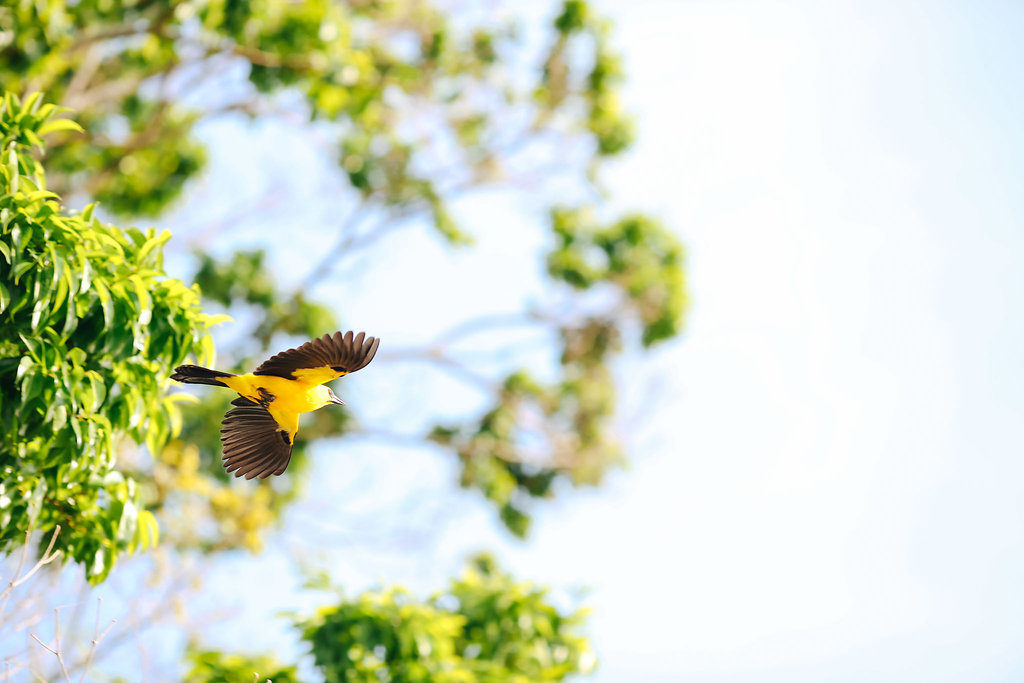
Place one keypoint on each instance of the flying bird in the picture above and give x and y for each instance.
(258, 433)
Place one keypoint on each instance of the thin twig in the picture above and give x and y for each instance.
(46, 559)
(203, 234)
(487, 323)
(143, 657)
(346, 240)
(439, 358)
(36, 638)
(55, 650)
(106, 34)
(500, 451)
(56, 642)
(21, 563)
(96, 638)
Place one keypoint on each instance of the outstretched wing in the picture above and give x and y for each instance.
(322, 359)
(254, 443)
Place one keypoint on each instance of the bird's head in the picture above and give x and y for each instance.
(330, 397)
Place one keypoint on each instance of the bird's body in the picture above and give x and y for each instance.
(290, 397)
(259, 432)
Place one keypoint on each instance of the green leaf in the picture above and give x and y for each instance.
(148, 530)
(12, 168)
(54, 125)
(145, 302)
(60, 418)
(32, 101)
(105, 301)
(19, 270)
(24, 364)
(86, 277)
(30, 386)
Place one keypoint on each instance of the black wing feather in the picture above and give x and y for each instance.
(254, 445)
(343, 353)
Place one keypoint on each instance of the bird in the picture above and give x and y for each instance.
(259, 432)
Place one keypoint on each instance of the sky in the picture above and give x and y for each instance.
(826, 479)
(837, 493)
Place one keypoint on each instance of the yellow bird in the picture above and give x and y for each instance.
(259, 431)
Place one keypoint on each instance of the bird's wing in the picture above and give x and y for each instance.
(322, 359)
(255, 445)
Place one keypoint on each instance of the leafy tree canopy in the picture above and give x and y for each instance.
(89, 327)
(485, 627)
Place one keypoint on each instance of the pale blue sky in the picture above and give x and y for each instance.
(827, 480)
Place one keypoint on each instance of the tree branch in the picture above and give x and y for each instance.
(96, 638)
(56, 649)
(46, 558)
(439, 358)
(346, 240)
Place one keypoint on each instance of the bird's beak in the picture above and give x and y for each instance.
(337, 401)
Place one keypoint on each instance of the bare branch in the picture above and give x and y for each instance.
(47, 557)
(96, 638)
(121, 31)
(350, 241)
(437, 357)
(154, 23)
(36, 638)
(111, 91)
(55, 650)
(500, 450)
(273, 60)
(21, 563)
(56, 642)
(346, 241)
(204, 234)
(488, 323)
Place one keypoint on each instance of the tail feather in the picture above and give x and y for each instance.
(195, 374)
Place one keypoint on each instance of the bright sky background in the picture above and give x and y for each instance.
(839, 491)
(827, 480)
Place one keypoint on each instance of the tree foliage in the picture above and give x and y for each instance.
(485, 627)
(366, 65)
(211, 666)
(89, 327)
(539, 432)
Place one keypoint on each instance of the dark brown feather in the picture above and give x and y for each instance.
(343, 353)
(254, 446)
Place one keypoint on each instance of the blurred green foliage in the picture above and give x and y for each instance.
(209, 666)
(485, 627)
(362, 64)
(635, 255)
(89, 327)
(539, 432)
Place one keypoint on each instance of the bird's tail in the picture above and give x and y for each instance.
(195, 374)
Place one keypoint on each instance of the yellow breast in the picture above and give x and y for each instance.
(290, 396)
